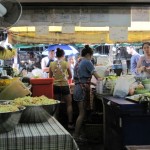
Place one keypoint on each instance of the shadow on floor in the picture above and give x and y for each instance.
(91, 146)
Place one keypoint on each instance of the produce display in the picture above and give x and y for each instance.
(139, 86)
(145, 97)
(5, 82)
(8, 108)
(31, 101)
(139, 89)
(140, 97)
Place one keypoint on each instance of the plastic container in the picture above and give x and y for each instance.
(99, 87)
(42, 86)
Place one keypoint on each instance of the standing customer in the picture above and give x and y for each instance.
(45, 62)
(72, 62)
(60, 71)
(134, 59)
(83, 71)
(31, 61)
(143, 65)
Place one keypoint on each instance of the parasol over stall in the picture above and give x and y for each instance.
(69, 50)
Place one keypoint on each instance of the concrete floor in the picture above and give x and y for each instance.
(93, 132)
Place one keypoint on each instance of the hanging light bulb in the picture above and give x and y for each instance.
(3, 10)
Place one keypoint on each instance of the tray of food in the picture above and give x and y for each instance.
(38, 109)
(139, 97)
(134, 98)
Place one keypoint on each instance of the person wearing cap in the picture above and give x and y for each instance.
(45, 62)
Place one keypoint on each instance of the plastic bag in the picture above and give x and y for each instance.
(109, 85)
(122, 86)
(102, 70)
(37, 73)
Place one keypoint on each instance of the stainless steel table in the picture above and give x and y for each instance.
(50, 135)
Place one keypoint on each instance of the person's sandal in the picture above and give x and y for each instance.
(71, 126)
(80, 140)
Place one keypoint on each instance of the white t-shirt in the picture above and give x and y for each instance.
(44, 62)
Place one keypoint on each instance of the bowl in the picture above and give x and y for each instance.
(9, 120)
(38, 109)
(38, 113)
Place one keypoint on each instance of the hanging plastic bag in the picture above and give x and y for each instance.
(37, 73)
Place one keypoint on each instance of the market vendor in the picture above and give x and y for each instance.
(143, 66)
(83, 71)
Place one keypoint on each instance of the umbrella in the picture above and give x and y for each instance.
(69, 50)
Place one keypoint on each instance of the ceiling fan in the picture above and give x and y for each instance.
(10, 13)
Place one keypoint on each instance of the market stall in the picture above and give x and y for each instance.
(126, 123)
(36, 129)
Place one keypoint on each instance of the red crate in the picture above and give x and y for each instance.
(42, 86)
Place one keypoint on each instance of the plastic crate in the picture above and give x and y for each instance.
(42, 86)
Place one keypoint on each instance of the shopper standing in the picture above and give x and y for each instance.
(60, 71)
(72, 62)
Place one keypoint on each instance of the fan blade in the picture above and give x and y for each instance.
(3, 10)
